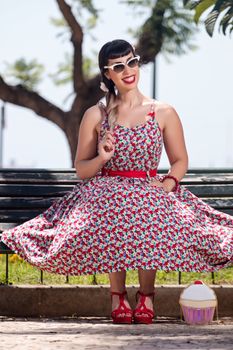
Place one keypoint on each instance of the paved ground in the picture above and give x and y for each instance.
(99, 333)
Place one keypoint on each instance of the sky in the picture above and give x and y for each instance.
(198, 85)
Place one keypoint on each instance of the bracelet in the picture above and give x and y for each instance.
(174, 178)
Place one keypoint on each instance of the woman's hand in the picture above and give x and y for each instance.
(106, 146)
(166, 185)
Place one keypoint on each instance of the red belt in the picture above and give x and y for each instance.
(129, 173)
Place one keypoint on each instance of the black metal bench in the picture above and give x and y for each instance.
(25, 193)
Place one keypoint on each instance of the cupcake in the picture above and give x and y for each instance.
(198, 303)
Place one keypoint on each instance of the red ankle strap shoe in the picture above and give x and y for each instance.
(122, 314)
(141, 313)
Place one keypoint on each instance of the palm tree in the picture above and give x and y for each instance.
(217, 9)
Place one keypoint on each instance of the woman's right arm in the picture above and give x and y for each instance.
(89, 160)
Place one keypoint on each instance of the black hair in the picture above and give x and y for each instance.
(110, 50)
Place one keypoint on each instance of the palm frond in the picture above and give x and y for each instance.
(227, 21)
(210, 22)
(201, 8)
(222, 8)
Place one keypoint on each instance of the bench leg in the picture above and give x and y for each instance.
(7, 269)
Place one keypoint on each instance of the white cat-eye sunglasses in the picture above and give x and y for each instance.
(119, 67)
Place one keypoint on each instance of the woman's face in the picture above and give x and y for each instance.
(128, 78)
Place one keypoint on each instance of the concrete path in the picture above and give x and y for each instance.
(99, 333)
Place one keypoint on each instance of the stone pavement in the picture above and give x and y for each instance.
(91, 333)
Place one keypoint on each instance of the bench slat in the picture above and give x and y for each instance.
(211, 190)
(219, 202)
(25, 203)
(69, 176)
(222, 190)
(18, 215)
(37, 190)
(38, 178)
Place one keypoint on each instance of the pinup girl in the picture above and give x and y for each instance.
(123, 215)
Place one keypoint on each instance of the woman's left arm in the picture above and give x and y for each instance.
(174, 143)
(175, 147)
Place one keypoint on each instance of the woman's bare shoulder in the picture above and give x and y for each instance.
(163, 107)
(93, 112)
(167, 115)
(93, 116)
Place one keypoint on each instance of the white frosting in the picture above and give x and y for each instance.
(198, 292)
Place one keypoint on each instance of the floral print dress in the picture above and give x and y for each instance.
(107, 224)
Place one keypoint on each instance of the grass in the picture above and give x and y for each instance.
(20, 272)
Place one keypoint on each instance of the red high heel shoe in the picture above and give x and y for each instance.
(141, 313)
(122, 314)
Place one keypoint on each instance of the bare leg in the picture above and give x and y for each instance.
(117, 281)
(147, 281)
(117, 284)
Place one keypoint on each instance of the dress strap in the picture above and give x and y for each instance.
(152, 109)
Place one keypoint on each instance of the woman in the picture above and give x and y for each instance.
(123, 215)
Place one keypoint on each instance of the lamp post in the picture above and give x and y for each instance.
(2, 125)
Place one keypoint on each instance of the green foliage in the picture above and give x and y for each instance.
(178, 29)
(177, 26)
(89, 66)
(136, 3)
(87, 16)
(64, 73)
(88, 6)
(85, 12)
(217, 9)
(202, 7)
(28, 74)
(59, 22)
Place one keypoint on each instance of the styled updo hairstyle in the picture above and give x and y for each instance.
(111, 50)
